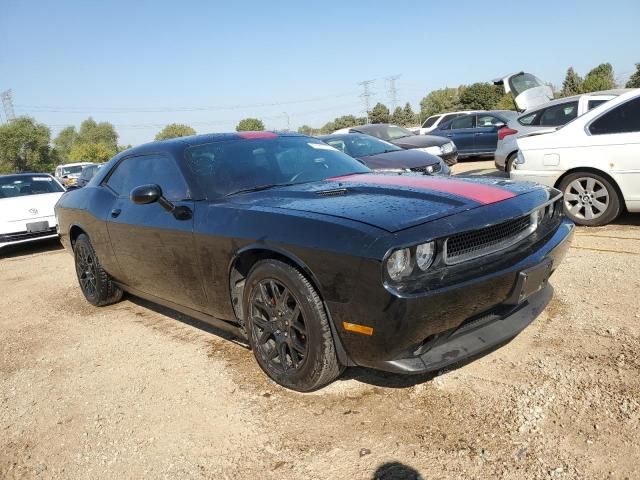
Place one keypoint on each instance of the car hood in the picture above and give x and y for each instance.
(400, 159)
(420, 141)
(391, 202)
(26, 208)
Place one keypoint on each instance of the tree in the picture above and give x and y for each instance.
(92, 152)
(328, 127)
(305, 130)
(480, 96)
(24, 146)
(600, 78)
(64, 142)
(92, 132)
(250, 125)
(379, 114)
(397, 117)
(409, 117)
(439, 101)
(175, 130)
(347, 121)
(505, 103)
(572, 84)
(634, 80)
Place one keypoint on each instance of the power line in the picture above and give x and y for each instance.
(366, 96)
(392, 91)
(86, 109)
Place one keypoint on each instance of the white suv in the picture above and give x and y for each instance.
(433, 121)
(594, 160)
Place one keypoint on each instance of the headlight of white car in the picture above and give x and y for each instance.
(432, 150)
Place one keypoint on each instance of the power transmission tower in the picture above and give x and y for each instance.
(7, 103)
(392, 91)
(366, 96)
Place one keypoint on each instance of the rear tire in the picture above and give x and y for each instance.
(96, 284)
(508, 164)
(590, 199)
(288, 328)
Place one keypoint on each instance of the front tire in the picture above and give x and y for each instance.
(590, 199)
(96, 284)
(288, 328)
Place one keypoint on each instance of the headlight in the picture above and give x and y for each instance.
(399, 264)
(432, 150)
(424, 255)
(447, 147)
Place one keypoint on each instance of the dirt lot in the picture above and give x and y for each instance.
(132, 390)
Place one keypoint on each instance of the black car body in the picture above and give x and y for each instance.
(440, 146)
(381, 155)
(408, 273)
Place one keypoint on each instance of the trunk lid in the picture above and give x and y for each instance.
(528, 91)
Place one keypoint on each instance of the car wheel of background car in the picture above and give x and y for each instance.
(288, 327)
(589, 199)
(96, 284)
(508, 165)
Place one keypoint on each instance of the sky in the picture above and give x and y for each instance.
(143, 64)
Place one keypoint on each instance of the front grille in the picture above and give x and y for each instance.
(469, 245)
(14, 237)
(424, 169)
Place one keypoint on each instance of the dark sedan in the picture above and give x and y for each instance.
(383, 156)
(475, 134)
(403, 138)
(317, 261)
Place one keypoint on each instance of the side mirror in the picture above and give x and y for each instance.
(145, 194)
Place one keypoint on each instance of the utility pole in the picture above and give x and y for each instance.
(392, 91)
(366, 96)
(7, 103)
(288, 121)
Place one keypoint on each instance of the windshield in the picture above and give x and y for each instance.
(71, 170)
(523, 81)
(361, 145)
(21, 185)
(223, 168)
(392, 132)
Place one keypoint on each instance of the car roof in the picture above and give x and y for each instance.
(77, 164)
(24, 174)
(557, 101)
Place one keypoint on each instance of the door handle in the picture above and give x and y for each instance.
(115, 212)
(449, 135)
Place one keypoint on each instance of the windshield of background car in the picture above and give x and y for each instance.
(71, 170)
(521, 82)
(362, 145)
(226, 167)
(22, 185)
(393, 132)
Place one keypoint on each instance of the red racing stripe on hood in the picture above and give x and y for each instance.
(479, 192)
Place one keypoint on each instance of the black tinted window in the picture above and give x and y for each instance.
(430, 121)
(622, 119)
(595, 103)
(157, 169)
(462, 122)
(226, 167)
(488, 121)
(529, 119)
(449, 116)
(558, 114)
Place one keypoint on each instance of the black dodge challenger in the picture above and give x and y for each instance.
(319, 262)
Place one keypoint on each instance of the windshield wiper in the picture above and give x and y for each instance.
(258, 188)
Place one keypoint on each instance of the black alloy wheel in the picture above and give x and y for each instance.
(96, 284)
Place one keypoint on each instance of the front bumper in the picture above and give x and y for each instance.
(545, 177)
(17, 232)
(430, 331)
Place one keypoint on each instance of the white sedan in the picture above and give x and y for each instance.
(26, 207)
(594, 160)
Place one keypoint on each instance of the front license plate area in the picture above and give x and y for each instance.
(36, 227)
(529, 282)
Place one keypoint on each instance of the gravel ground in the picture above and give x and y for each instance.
(134, 390)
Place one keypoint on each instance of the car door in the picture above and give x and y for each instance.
(486, 132)
(528, 91)
(154, 248)
(462, 132)
(614, 137)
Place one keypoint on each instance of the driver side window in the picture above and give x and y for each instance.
(149, 169)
